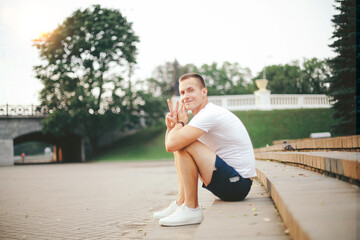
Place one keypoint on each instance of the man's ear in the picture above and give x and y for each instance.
(204, 90)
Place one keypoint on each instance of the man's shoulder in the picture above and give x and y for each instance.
(218, 110)
(213, 112)
(212, 107)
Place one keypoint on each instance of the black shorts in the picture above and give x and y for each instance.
(227, 184)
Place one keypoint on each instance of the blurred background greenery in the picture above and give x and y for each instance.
(87, 67)
(263, 126)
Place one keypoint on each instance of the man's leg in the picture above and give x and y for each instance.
(181, 192)
(180, 198)
(192, 161)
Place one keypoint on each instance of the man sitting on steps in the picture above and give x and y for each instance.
(213, 146)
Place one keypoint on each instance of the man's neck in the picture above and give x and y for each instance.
(197, 110)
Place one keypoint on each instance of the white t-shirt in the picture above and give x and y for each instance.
(226, 135)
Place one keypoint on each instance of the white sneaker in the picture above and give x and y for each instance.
(167, 211)
(183, 216)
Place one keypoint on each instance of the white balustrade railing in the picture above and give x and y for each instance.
(295, 101)
(234, 102)
(275, 101)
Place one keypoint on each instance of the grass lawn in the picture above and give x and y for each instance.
(267, 126)
(147, 144)
(263, 127)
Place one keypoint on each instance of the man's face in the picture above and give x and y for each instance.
(192, 94)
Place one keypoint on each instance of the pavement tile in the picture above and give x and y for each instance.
(116, 201)
(83, 201)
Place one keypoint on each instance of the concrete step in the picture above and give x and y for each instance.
(253, 218)
(311, 205)
(346, 143)
(342, 163)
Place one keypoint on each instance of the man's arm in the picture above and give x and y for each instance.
(166, 135)
(171, 117)
(180, 137)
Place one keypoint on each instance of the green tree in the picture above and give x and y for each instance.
(164, 80)
(343, 80)
(315, 76)
(226, 79)
(283, 79)
(85, 62)
(311, 77)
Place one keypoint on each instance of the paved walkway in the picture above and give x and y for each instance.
(114, 201)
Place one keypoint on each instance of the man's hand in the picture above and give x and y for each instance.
(172, 117)
(183, 116)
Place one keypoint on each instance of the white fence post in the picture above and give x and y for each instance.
(262, 101)
(300, 101)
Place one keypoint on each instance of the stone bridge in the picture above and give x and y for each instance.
(20, 124)
(25, 128)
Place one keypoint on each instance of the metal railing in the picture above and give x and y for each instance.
(22, 110)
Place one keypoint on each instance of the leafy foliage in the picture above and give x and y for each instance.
(86, 61)
(343, 80)
(164, 79)
(310, 78)
(315, 76)
(228, 78)
(282, 78)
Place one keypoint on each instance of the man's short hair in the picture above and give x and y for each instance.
(193, 75)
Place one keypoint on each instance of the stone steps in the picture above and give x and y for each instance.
(346, 143)
(253, 218)
(299, 203)
(311, 205)
(341, 163)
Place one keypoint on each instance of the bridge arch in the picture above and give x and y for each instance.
(19, 129)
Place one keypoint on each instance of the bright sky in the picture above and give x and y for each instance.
(192, 31)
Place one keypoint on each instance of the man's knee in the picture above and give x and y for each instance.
(188, 149)
(195, 146)
(192, 147)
